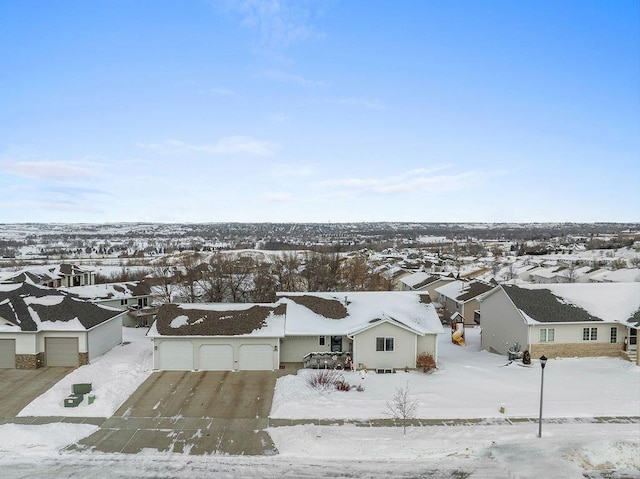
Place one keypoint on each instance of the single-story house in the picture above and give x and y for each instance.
(56, 276)
(131, 296)
(40, 326)
(462, 297)
(379, 330)
(217, 336)
(562, 320)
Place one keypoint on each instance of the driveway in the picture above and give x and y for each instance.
(208, 412)
(18, 387)
(211, 394)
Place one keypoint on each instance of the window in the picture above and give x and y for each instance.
(124, 301)
(589, 334)
(322, 340)
(614, 335)
(384, 344)
(547, 335)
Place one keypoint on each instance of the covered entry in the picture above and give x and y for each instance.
(61, 352)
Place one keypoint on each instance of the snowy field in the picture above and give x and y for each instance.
(469, 383)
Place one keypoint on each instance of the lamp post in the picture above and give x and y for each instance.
(543, 363)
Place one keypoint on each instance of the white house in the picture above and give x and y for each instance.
(379, 330)
(40, 326)
(562, 320)
(131, 296)
(62, 275)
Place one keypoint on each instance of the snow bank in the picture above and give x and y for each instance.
(114, 377)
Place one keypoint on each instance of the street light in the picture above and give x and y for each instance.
(543, 363)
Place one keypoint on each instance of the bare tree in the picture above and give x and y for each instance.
(163, 281)
(212, 279)
(189, 274)
(402, 407)
(287, 269)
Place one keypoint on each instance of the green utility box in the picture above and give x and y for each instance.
(73, 400)
(82, 388)
(90, 398)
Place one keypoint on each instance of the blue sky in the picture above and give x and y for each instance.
(319, 111)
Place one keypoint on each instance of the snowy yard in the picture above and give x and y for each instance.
(469, 383)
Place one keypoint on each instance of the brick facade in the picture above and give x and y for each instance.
(83, 358)
(29, 361)
(570, 350)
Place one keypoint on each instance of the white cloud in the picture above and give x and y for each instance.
(418, 180)
(56, 170)
(279, 23)
(224, 146)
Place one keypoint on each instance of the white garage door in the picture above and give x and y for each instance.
(61, 352)
(175, 356)
(7, 353)
(256, 357)
(216, 357)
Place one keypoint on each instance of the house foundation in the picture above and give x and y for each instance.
(571, 350)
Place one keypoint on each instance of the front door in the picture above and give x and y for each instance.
(336, 344)
(633, 339)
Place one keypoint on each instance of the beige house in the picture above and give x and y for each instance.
(462, 297)
(44, 327)
(383, 330)
(563, 320)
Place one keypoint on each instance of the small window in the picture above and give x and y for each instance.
(589, 334)
(124, 301)
(384, 344)
(614, 335)
(547, 335)
(322, 340)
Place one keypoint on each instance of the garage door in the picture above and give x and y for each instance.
(256, 357)
(7, 353)
(216, 357)
(61, 352)
(175, 356)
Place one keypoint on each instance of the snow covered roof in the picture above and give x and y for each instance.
(28, 307)
(421, 279)
(463, 291)
(577, 302)
(343, 313)
(618, 276)
(219, 319)
(45, 273)
(110, 290)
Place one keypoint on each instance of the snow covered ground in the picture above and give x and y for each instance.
(469, 383)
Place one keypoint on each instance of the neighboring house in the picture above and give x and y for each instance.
(132, 296)
(462, 298)
(425, 282)
(624, 275)
(40, 326)
(62, 275)
(562, 320)
(381, 330)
